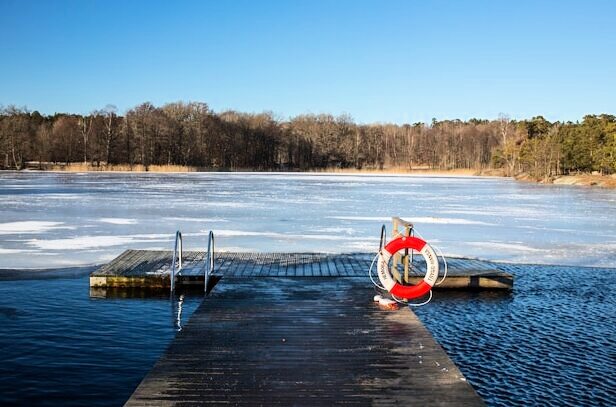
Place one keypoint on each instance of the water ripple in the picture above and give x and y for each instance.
(60, 347)
(551, 342)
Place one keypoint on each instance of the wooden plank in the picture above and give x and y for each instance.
(332, 267)
(292, 267)
(287, 265)
(223, 264)
(116, 264)
(259, 265)
(245, 266)
(270, 341)
(149, 262)
(195, 265)
(274, 265)
(351, 267)
(339, 263)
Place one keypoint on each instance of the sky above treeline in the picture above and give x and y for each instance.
(378, 61)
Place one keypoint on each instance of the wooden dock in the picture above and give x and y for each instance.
(151, 269)
(289, 340)
(294, 329)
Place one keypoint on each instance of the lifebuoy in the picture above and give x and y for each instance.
(404, 291)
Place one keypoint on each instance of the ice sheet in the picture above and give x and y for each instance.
(57, 219)
(30, 226)
(118, 221)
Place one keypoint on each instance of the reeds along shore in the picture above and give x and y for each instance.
(605, 181)
(81, 167)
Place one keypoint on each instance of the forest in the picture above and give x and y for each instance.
(191, 134)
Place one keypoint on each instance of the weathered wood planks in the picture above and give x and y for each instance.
(150, 269)
(288, 341)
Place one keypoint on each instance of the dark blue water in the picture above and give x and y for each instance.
(552, 342)
(60, 347)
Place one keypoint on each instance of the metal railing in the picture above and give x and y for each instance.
(383, 241)
(176, 262)
(178, 244)
(209, 261)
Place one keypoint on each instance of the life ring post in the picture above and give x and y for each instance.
(405, 259)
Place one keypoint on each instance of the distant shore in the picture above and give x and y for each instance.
(80, 167)
(43, 274)
(586, 180)
(589, 180)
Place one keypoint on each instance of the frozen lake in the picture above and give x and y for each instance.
(61, 219)
(506, 344)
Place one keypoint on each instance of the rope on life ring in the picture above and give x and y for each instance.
(388, 281)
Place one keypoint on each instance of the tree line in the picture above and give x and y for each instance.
(191, 134)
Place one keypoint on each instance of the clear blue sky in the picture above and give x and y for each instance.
(397, 61)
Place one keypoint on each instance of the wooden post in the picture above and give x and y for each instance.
(405, 258)
(397, 258)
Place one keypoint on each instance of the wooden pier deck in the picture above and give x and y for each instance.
(287, 340)
(296, 329)
(150, 269)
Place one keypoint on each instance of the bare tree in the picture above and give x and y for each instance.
(111, 126)
(85, 124)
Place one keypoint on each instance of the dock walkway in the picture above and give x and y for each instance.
(295, 329)
(289, 341)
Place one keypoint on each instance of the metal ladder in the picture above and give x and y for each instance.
(176, 262)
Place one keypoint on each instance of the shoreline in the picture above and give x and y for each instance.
(585, 180)
(588, 180)
(579, 180)
(16, 274)
(139, 168)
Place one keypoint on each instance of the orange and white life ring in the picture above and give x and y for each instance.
(404, 291)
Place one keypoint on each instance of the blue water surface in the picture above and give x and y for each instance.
(551, 342)
(61, 347)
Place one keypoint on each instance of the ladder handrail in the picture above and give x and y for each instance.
(178, 240)
(208, 268)
(383, 241)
